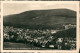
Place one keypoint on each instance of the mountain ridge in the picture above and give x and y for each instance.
(42, 17)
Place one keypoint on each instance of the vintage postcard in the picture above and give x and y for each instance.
(47, 26)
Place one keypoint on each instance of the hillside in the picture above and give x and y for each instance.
(71, 33)
(42, 18)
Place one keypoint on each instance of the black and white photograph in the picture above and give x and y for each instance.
(39, 26)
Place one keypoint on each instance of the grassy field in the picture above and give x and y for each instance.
(19, 46)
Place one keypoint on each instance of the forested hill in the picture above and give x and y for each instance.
(40, 18)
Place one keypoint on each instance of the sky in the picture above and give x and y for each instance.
(15, 8)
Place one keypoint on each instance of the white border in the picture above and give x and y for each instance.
(49, 51)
